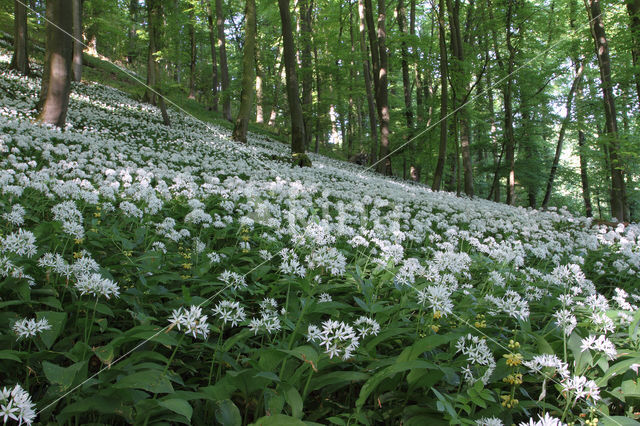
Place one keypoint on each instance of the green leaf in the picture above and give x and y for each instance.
(63, 376)
(150, 380)
(425, 344)
(227, 413)
(337, 377)
(278, 420)
(293, 398)
(268, 375)
(10, 355)
(56, 321)
(617, 421)
(179, 406)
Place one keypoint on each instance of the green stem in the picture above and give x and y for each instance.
(215, 352)
(173, 354)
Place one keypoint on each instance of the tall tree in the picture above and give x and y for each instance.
(507, 93)
(366, 72)
(295, 108)
(618, 198)
(56, 77)
(633, 7)
(78, 44)
(306, 18)
(224, 68)
(154, 25)
(192, 56)
(213, 40)
(406, 82)
(248, 68)
(20, 59)
(442, 149)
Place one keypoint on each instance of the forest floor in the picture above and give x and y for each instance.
(160, 275)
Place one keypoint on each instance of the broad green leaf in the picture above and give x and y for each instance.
(57, 321)
(227, 413)
(278, 420)
(10, 355)
(617, 421)
(179, 406)
(336, 377)
(293, 398)
(150, 380)
(63, 376)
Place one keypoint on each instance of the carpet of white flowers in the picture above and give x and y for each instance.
(162, 275)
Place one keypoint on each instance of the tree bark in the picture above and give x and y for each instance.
(306, 15)
(618, 199)
(56, 77)
(442, 150)
(563, 129)
(20, 59)
(224, 68)
(510, 142)
(248, 68)
(213, 40)
(584, 179)
(373, 124)
(152, 95)
(406, 86)
(192, 58)
(78, 44)
(633, 7)
(295, 108)
(259, 89)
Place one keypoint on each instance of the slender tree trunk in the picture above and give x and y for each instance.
(584, 179)
(133, 14)
(224, 68)
(155, 20)
(319, 94)
(20, 59)
(563, 128)
(373, 125)
(633, 7)
(214, 63)
(508, 112)
(619, 207)
(295, 108)
(259, 90)
(306, 15)
(192, 58)
(248, 69)
(406, 89)
(276, 93)
(78, 45)
(56, 77)
(442, 150)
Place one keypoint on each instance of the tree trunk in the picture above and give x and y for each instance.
(406, 87)
(152, 95)
(20, 59)
(276, 93)
(373, 125)
(442, 150)
(248, 68)
(618, 200)
(319, 93)
(133, 14)
(306, 15)
(508, 112)
(259, 90)
(192, 58)
(214, 63)
(224, 68)
(295, 108)
(78, 45)
(633, 7)
(56, 77)
(563, 128)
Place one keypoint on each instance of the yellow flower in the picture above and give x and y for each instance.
(480, 324)
(79, 240)
(435, 328)
(245, 238)
(513, 344)
(513, 379)
(77, 255)
(508, 401)
(514, 359)
(97, 214)
(437, 315)
(186, 266)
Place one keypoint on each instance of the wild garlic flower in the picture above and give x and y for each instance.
(565, 320)
(234, 280)
(291, 264)
(25, 328)
(539, 362)
(338, 338)
(21, 242)
(543, 420)
(367, 326)
(489, 421)
(437, 297)
(600, 344)
(15, 216)
(324, 298)
(269, 324)
(15, 404)
(97, 285)
(329, 258)
(192, 320)
(229, 311)
(581, 387)
(478, 354)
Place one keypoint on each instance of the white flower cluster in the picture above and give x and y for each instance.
(338, 338)
(67, 212)
(21, 242)
(268, 321)
(233, 280)
(229, 311)
(192, 320)
(478, 355)
(511, 304)
(15, 404)
(437, 297)
(543, 420)
(600, 344)
(291, 264)
(25, 328)
(97, 285)
(16, 215)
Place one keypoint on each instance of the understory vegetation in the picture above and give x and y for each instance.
(163, 275)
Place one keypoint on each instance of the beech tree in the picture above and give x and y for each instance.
(20, 58)
(248, 68)
(56, 77)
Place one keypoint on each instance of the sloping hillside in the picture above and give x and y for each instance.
(168, 274)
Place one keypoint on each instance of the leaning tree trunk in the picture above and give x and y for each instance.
(619, 208)
(214, 65)
(295, 108)
(563, 129)
(20, 59)
(248, 69)
(442, 150)
(78, 45)
(56, 77)
(224, 68)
